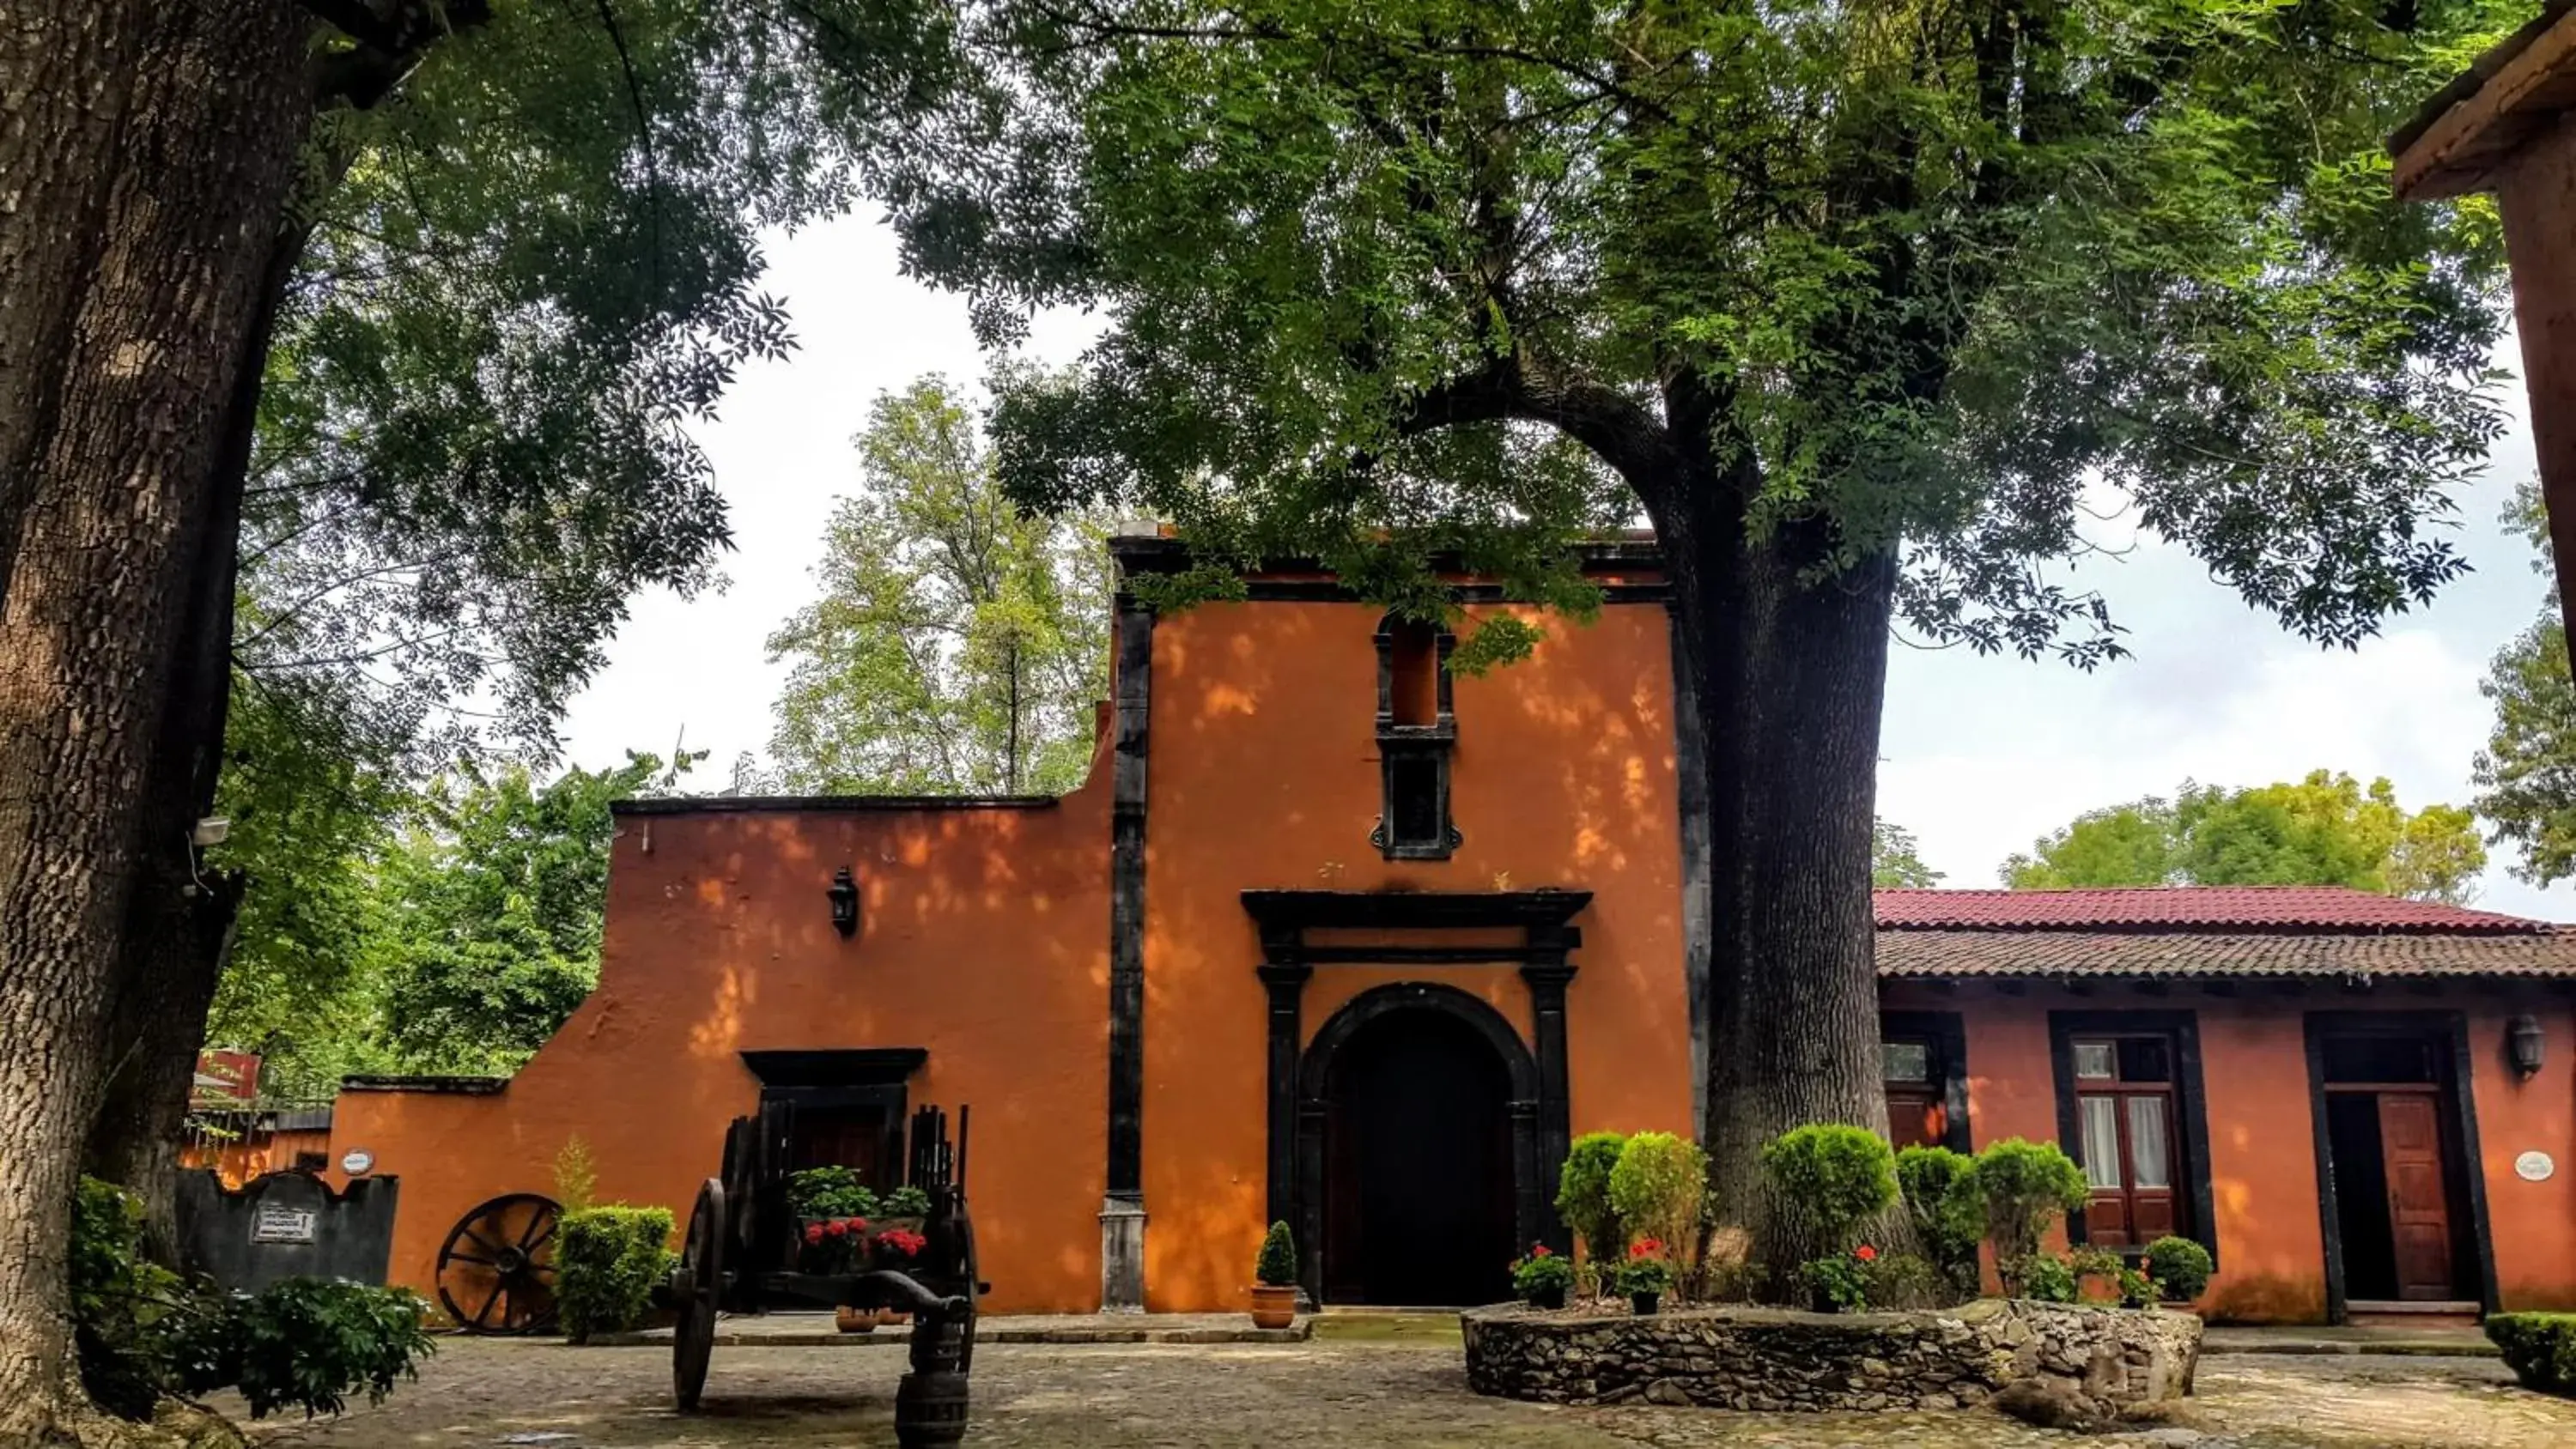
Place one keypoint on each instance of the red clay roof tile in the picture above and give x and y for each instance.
(2187, 908)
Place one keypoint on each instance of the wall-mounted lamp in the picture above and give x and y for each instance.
(2523, 1041)
(845, 902)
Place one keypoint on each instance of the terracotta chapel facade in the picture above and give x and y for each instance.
(1333, 937)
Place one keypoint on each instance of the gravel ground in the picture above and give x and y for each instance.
(482, 1392)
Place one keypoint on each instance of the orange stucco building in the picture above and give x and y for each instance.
(1333, 937)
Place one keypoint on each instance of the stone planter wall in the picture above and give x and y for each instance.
(2103, 1359)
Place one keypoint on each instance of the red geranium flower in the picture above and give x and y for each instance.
(858, 1225)
(902, 1242)
(837, 1228)
(1539, 1250)
(813, 1232)
(1865, 1253)
(1645, 1247)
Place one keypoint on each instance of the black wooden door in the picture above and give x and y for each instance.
(1418, 1174)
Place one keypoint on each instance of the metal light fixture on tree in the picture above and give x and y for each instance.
(2524, 1041)
(845, 902)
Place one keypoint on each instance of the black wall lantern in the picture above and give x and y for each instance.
(845, 902)
(2523, 1041)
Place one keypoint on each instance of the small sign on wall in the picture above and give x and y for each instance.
(358, 1162)
(2535, 1167)
(283, 1223)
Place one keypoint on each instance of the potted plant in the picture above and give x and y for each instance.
(1645, 1276)
(1839, 1284)
(1542, 1278)
(1274, 1280)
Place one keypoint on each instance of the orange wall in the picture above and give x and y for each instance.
(1265, 774)
(2263, 1178)
(985, 940)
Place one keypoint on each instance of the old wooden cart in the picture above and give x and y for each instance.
(742, 1250)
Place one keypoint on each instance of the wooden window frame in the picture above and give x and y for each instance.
(2188, 1116)
(1434, 742)
(1946, 1033)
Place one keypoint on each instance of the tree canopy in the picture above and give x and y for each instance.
(2323, 830)
(960, 645)
(2526, 775)
(1428, 266)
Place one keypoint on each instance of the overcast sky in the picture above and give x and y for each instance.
(1982, 755)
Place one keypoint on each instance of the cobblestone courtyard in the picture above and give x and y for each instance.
(480, 1393)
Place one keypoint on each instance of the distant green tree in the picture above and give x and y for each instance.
(960, 645)
(2323, 830)
(1895, 859)
(2526, 776)
(493, 906)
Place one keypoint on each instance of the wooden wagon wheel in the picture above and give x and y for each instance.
(700, 1289)
(496, 1271)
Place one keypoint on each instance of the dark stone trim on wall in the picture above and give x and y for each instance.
(1540, 1110)
(2464, 1171)
(2191, 1104)
(1122, 1225)
(1533, 1171)
(751, 804)
(1948, 1032)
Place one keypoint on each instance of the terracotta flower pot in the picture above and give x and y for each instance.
(854, 1320)
(1274, 1307)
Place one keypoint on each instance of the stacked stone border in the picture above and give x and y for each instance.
(2104, 1359)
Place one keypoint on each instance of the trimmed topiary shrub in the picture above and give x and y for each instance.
(2180, 1267)
(1656, 1187)
(1949, 1214)
(610, 1260)
(1583, 1194)
(2025, 1186)
(2540, 1348)
(1837, 1175)
(1277, 1265)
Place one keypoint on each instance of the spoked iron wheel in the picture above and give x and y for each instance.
(496, 1271)
(698, 1285)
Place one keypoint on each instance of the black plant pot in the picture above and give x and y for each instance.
(1552, 1296)
(1645, 1304)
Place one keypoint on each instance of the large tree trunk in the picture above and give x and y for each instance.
(179, 930)
(1788, 677)
(111, 512)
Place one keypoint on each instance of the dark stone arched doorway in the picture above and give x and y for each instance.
(1417, 1165)
(1417, 1149)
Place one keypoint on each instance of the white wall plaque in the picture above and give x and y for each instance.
(279, 1223)
(357, 1162)
(2535, 1167)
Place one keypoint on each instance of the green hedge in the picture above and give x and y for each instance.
(2540, 1348)
(611, 1258)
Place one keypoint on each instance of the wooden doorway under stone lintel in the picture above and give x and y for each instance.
(1304, 930)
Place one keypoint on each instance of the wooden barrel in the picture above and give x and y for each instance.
(930, 1409)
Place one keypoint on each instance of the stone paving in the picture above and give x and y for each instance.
(1328, 1392)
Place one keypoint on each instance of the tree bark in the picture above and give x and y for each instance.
(65, 70)
(110, 514)
(179, 929)
(1788, 678)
